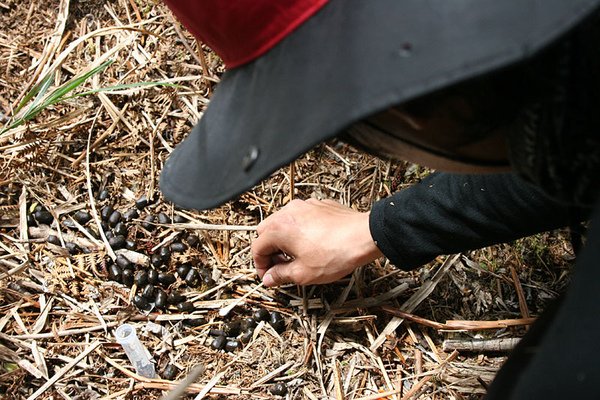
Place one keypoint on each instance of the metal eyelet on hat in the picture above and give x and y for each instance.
(250, 158)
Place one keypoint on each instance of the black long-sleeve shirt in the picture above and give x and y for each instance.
(449, 213)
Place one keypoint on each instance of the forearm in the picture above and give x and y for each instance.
(449, 213)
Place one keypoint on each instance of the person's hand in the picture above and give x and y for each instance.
(312, 242)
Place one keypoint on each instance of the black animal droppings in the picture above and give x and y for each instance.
(117, 242)
(114, 218)
(130, 245)
(82, 216)
(43, 217)
(141, 278)
(148, 223)
(218, 343)
(73, 248)
(106, 212)
(185, 306)
(130, 214)
(232, 328)
(114, 273)
(276, 321)
(127, 277)
(141, 302)
(152, 276)
(192, 278)
(261, 315)
(278, 389)
(103, 195)
(248, 323)
(148, 291)
(232, 345)
(166, 278)
(163, 218)
(161, 298)
(175, 298)
(193, 322)
(216, 332)
(53, 239)
(170, 372)
(183, 270)
(155, 260)
(164, 253)
(192, 240)
(123, 262)
(141, 203)
(178, 247)
(180, 219)
(120, 229)
(247, 335)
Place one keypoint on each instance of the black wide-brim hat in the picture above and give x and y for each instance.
(346, 60)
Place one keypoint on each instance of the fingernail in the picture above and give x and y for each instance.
(268, 280)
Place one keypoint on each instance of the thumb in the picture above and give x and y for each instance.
(278, 275)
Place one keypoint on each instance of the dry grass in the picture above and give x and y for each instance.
(59, 309)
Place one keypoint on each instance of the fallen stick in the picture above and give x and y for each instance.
(480, 346)
(459, 325)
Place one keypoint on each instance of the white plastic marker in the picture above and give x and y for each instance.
(226, 310)
(136, 352)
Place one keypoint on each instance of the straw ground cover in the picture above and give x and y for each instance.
(437, 332)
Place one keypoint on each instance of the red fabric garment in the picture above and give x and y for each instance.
(239, 31)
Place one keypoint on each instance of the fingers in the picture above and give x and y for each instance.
(279, 274)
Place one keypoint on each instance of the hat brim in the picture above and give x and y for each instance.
(350, 60)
